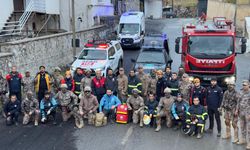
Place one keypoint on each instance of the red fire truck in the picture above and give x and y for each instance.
(208, 49)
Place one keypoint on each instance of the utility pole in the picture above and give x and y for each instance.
(173, 5)
(73, 28)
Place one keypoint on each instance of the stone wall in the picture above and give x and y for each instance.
(51, 51)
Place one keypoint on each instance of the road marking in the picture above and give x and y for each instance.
(127, 135)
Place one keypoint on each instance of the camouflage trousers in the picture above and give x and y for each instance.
(167, 114)
(27, 118)
(245, 126)
(3, 100)
(90, 117)
(230, 118)
(68, 111)
(138, 116)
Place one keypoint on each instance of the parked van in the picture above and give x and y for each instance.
(131, 29)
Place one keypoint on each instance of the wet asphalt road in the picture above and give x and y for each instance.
(119, 136)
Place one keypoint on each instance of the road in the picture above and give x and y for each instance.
(119, 136)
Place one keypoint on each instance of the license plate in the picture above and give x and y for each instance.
(207, 79)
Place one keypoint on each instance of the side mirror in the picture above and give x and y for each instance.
(177, 45)
(243, 45)
(111, 57)
(133, 60)
(142, 32)
(75, 57)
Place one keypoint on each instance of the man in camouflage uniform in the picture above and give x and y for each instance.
(88, 105)
(229, 103)
(30, 108)
(56, 79)
(184, 87)
(86, 81)
(152, 82)
(3, 91)
(243, 110)
(68, 102)
(144, 80)
(164, 109)
(28, 83)
(122, 80)
(136, 103)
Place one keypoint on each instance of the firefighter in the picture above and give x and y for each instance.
(12, 110)
(133, 83)
(160, 85)
(229, 104)
(108, 105)
(198, 91)
(68, 102)
(30, 108)
(122, 81)
(111, 81)
(28, 83)
(98, 85)
(184, 87)
(14, 79)
(56, 79)
(69, 81)
(178, 110)
(151, 107)
(78, 76)
(48, 107)
(243, 111)
(152, 82)
(168, 73)
(214, 97)
(86, 81)
(144, 80)
(164, 109)
(42, 82)
(196, 118)
(135, 104)
(88, 105)
(3, 91)
(173, 84)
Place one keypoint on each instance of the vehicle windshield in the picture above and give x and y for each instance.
(151, 57)
(220, 46)
(129, 28)
(93, 54)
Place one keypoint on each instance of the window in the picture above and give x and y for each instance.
(118, 46)
(111, 51)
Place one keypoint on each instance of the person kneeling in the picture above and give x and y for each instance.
(30, 108)
(179, 109)
(108, 105)
(196, 117)
(88, 105)
(12, 110)
(150, 109)
(48, 108)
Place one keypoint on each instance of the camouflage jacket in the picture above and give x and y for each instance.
(66, 99)
(85, 82)
(122, 83)
(230, 99)
(3, 85)
(28, 84)
(185, 89)
(144, 80)
(152, 85)
(29, 105)
(244, 101)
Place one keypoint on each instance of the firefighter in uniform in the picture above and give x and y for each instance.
(3, 91)
(88, 105)
(133, 83)
(196, 118)
(184, 87)
(243, 110)
(164, 109)
(122, 80)
(136, 103)
(69, 105)
(144, 80)
(78, 76)
(30, 108)
(229, 104)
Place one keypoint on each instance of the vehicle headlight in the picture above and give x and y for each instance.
(191, 78)
(73, 68)
(230, 79)
(137, 37)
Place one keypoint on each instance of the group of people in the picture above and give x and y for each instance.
(172, 96)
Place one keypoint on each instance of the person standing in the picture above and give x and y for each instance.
(229, 104)
(214, 97)
(160, 85)
(168, 73)
(3, 91)
(14, 79)
(78, 76)
(98, 85)
(184, 87)
(42, 82)
(173, 84)
(86, 81)
(152, 82)
(243, 111)
(198, 91)
(28, 83)
(122, 81)
(69, 81)
(144, 80)
(133, 83)
(111, 81)
(56, 79)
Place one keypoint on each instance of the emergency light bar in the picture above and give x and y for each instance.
(97, 44)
